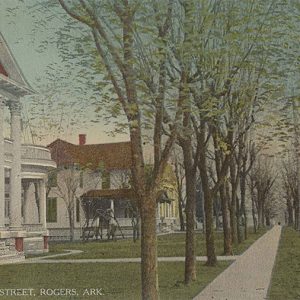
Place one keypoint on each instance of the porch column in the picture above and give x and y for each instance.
(158, 211)
(112, 207)
(15, 199)
(26, 214)
(42, 202)
(2, 184)
(157, 217)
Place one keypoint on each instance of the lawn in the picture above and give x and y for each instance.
(168, 245)
(286, 274)
(115, 280)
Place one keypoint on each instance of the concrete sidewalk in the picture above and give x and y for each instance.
(47, 260)
(248, 278)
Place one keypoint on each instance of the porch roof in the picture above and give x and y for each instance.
(109, 193)
(13, 87)
(123, 194)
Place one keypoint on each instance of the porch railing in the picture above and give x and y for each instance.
(33, 227)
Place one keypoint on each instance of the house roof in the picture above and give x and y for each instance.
(111, 156)
(10, 71)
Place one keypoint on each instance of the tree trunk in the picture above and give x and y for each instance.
(233, 208)
(224, 199)
(148, 249)
(254, 216)
(290, 212)
(243, 201)
(233, 220)
(297, 161)
(138, 227)
(203, 211)
(268, 220)
(190, 210)
(210, 239)
(296, 209)
(226, 224)
(190, 257)
(263, 216)
(71, 223)
(238, 221)
(147, 208)
(260, 214)
(179, 180)
(217, 208)
(208, 209)
(181, 218)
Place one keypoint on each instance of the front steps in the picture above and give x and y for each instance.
(8, 256)
(34, 245)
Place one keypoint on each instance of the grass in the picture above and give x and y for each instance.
(116, 281)
(286, 273)
(168, 245)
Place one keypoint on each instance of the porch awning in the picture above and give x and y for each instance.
(125, 194)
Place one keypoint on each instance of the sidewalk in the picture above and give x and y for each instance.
(248, 278)
(47, 260)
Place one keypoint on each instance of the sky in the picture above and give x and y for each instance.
(17, 29)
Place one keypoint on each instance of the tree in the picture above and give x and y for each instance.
(230, 44)
(67, 187)
(289, 181)
(179, 173)
(115, 48)
(248, 158)
(206, 59)
(262, 179)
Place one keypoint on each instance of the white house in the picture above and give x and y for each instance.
(23, 171)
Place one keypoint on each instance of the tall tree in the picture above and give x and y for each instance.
(116, 48)
(262, 179)
(179, 173)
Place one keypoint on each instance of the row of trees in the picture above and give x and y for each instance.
(291, 186)
(198, 74)
(205, 99)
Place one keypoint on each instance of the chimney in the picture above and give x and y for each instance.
(82, 139)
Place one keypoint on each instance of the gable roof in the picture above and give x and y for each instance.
(111, 156)
(11, 76)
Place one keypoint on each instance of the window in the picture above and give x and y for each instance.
(52, 179)
(7, 204)
(52, 210)
(77, 210)
(105, 180)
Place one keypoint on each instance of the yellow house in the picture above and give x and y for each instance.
(167, 210)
